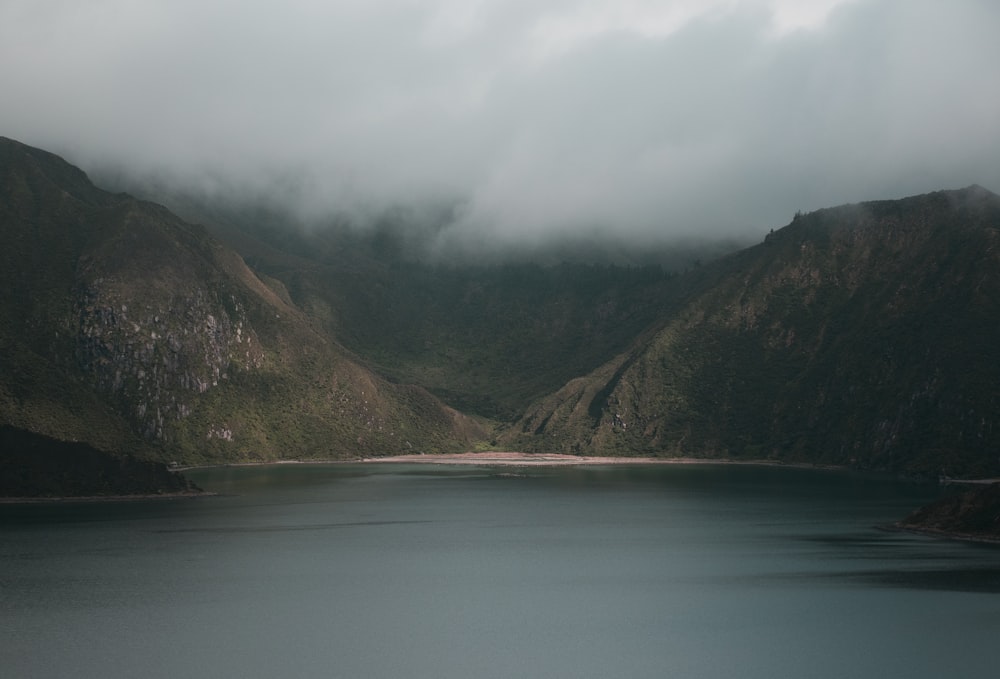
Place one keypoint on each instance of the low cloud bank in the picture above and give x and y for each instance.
(508, 125)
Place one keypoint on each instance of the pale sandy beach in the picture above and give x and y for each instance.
(515, 459)
(500, 458)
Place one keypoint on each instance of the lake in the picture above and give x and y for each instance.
(414, 571)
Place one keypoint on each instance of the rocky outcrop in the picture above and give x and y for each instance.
(154, 358)
(129, 331)
(862, 336)
(973, 514)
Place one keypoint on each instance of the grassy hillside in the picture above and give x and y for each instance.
(128, 329)
(863, 335)
(488, 335)
(486, 338)
(853, 336)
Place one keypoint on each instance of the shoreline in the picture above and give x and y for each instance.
(516, 459)
(510, 459)
(939, 534)
(520, 459)
(89, 499)
(468, 459)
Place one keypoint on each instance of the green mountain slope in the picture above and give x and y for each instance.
(863, 335)
(487, 338)
(131, 330)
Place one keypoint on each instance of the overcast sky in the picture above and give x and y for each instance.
(640, 117)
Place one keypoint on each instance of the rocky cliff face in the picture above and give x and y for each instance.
(973, 514)
(136, 359)
(863, 335)
(153, 335)
(132, 331)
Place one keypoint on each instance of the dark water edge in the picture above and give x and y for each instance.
(424, 571)
(939, 534)
(87, 499)
(37, 466)
(972, 514)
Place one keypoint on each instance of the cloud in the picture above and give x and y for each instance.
(643, 119)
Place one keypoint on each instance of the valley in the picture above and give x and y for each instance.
(860, 336)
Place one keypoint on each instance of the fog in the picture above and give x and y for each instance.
(523, 121)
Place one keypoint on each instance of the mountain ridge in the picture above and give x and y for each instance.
(135, 332)
(824, 287)
(862, 335)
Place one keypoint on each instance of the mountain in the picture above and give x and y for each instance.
(861, 335)
(488, 337)
(131, 331)
(864, 335)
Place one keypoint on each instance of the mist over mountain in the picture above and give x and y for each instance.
(425, 233)
(457, 322)
(862, 335)
(507, 126)
(134, 332)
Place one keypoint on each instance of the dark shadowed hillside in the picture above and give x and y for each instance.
(485, 336)
(973, 514)
(863, 335)
(130, 330)
(486, 340)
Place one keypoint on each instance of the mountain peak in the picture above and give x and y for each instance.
(863, 335)
(128, 329)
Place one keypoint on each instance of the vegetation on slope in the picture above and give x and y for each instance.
(486, 340)
(487, 336)
(135, 332)
(862, 335)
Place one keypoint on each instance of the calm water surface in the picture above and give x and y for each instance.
(415, 571)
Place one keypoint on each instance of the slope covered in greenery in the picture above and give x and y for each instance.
(130, 330)
(487, 336)
(844, 338)
(864, 335)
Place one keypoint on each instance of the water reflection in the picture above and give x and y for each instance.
(286, 528)
(375, 571)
